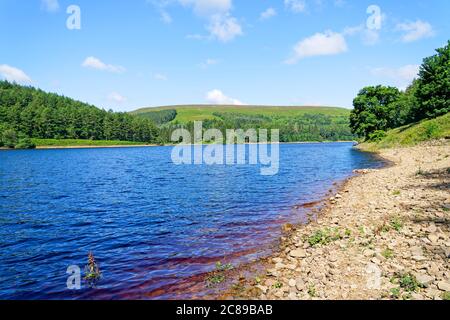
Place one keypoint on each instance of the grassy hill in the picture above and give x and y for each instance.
(413, 134)
(189, 113)
(294, 123)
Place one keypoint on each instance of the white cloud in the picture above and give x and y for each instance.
(13, 74)
(208, 7)
(160, 77)
(166, 17)
(224, 27)
(414, 31)
(221, 25)
(50, 5)
(402, 74)
(95, 63)
(295, 6)
(116, 98)
(209, 62)
(218, 97)
(268, 13)
(320, 44)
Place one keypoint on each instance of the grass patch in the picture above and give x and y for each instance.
(387, 253)
(324, 237)
(411, 135)
(312, 291)
(396, 223)
(208, 112)
(278, 285)
(218, 275)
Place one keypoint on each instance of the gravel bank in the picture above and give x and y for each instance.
(386, 235)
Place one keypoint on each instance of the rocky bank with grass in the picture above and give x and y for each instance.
(386, 235)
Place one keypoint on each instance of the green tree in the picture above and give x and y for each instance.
(433, 91)
(9, 138)
(373, 108)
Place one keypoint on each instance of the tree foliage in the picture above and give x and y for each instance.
(373, 109)
(380, 108)
(433, 90)
(34, 113)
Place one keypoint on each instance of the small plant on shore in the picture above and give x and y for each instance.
(395, 293)
(215, 280)
(362, 232)
(446, 296)
(312, 291)
(223, 267)
(348, 233)
(387, 253)
(278, 285)
(396, 192)
(446, 209)
(420, 172)
(218, 276)
(324, 237)
(408, 282)
(396, 223)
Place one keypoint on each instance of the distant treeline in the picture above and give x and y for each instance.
(307, 127)
(380, 108)
(26, 112)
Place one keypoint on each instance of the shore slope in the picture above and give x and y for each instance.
(386, 235)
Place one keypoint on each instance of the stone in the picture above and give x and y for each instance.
(424, 279)
(277, 260)
(292, 283)
(433, 238)
(416, 251)
(262, 288)
(444, 286)
(419, 258)
(279, 266)
(300, 284)
(298, 253)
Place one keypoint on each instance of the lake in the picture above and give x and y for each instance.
(150, 224)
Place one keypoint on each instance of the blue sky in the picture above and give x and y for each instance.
(134, 53)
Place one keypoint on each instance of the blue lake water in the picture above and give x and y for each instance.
(149, 223)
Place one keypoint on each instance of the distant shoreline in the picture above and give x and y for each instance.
(148, 145)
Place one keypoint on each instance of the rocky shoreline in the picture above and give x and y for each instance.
(385, 235)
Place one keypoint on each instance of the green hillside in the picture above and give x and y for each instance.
(189, 113)
(295, 123)
(413, 134)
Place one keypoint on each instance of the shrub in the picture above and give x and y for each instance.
(25, 143)
(377, 136)
(9, 138)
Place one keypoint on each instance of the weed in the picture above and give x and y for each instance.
(324, 237)
(408, 282)
(92, 270)
(387, 253)
(278, 285)
(312, 291)
(215, 279)
(396, 224)
(395, 293)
